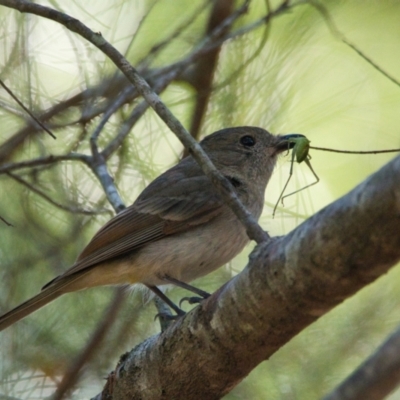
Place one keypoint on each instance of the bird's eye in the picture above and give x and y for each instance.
(247, 141)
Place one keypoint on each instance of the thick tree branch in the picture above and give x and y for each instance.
(288, 283)
(376, 377)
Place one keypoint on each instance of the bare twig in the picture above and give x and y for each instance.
(99, 167)
(9, 91)
(257, 52)
(336, 32)
(74, 210)
(5, 168)
(108, 88)
(354, 151)
(113, 107)
(145, 62)
(5, 221)
(125, 128)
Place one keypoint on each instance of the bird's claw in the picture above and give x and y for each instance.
(169, 317)
(191, 300)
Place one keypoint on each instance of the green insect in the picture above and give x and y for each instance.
(300, 147)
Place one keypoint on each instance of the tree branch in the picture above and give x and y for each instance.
(376, 377)
(47, 160)
(221, 184)
(336, 33)
(71, 209)
(9, 91)
(288, 284)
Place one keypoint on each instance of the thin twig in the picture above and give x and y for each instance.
(145, 62)
(9, 91)
(354, 151)
(5, 168)
(336, 32)
(265, 20)
(5, 221)
(74, 210)
(108, 88)
(99, 167)
(125, 128)
(112, 108)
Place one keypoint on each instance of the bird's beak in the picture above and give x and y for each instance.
(285, 142)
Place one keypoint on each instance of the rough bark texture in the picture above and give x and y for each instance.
(287, 285)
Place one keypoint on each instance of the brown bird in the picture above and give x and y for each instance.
(179, 228)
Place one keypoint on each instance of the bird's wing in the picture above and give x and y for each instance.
(163, 208)
(187, 199)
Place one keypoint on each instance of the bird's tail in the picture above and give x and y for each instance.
(28, 307)
(48, 294)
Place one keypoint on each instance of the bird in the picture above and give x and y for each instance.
(179, 228)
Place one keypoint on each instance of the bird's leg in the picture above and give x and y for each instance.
(192, 300)
(166, 300)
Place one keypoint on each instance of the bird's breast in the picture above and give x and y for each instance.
(192, 254)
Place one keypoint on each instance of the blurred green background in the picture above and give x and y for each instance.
(294, 75)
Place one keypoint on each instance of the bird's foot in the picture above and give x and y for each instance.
(194, 299)
(166, 317)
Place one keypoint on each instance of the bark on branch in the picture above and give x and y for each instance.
(288, 283)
